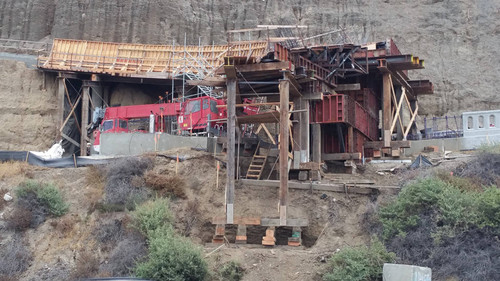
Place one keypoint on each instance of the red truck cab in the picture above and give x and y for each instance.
(116, 125)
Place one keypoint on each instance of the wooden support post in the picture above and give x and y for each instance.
(386, 109)
(316, 143)
(296, 132)
(296, 239)
(269, 239)
(231, 141)
(241, 234)
(85, 120)
(220, 232)
(284, 138)
(60, 103)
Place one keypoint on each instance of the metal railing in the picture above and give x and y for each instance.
(25, 46)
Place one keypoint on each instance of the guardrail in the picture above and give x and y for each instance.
(25, 46)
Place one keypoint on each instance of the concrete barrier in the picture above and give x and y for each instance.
(479, 127)
(403, 272)
(138, 143)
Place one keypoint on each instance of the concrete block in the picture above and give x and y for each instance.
(431, 148)
(403, 272)
(303, 175)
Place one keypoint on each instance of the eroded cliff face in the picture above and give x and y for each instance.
(458, 39)
(28, 108)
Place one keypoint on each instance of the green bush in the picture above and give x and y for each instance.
(489, 207)
(45, 194)
(231, 271)
(171, 257)
(52, 198)
(152, 215)
(403, 213)
(359, 263)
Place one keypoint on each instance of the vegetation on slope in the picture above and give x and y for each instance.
(448, 222)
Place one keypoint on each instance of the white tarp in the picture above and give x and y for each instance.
(55, 152)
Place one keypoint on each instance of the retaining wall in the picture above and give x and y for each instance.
(138, 143)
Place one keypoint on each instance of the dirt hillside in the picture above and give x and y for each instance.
(58, 244)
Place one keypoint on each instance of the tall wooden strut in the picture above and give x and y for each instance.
(231, 141)
(85, 120)
(284, 87)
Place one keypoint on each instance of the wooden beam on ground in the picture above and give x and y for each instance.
(283, 156)
(348, 87)
(363, 189)
(289, 222)
(85, 120)
(341, 156)
(393, 144)
(231, 141)
(238, 220)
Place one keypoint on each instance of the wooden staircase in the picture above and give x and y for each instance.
(257, 165)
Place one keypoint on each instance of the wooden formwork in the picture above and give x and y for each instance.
(126, 58)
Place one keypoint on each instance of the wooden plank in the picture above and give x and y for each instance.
(312, 96)
(63, 135)
(348, 87)
(237, 220)
(257, 67)
(231, 141)
(363, 189)
(341, 156)
(265, 117)
(393, 144)
(290, 222)
(283, 156)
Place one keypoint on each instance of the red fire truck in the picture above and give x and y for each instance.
(191, 116)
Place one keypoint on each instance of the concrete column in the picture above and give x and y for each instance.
(316, 143)
(283, 153)
(297, 133)
(231, 141)
(386, 109)
(304, 131)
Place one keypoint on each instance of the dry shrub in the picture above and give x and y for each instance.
(20, 219)
(65, 224)
(108, 234)
(165, 185)
(15, 258)
(119, 188)
(87, 265)
(125, 255)
(189, 219)
(11, 169)
(95, 176)
(3, 203)
(484, 168)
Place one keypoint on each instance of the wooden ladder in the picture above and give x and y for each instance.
(257, 165)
